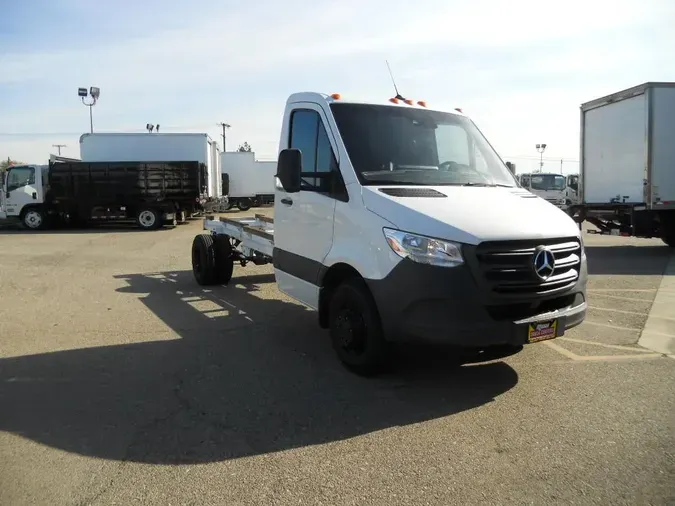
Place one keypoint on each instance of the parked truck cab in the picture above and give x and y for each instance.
(23, 194)
(398, 222)
(550, 187)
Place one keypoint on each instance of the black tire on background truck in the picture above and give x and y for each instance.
(355, 328)
(34, 218)
(149, 219)
(244, 204)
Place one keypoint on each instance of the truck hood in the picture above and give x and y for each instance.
(468, 214)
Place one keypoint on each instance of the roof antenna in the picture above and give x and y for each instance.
(398, 95)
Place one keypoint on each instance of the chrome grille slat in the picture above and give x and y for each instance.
(506, 266)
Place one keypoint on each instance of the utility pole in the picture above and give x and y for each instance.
(225, 126)
(561, 164)
(59, 146)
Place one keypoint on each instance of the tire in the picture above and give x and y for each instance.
(244, 204)
(34, 219)
(224, 259)
(355, 328)
(149, 219)
(204, 260)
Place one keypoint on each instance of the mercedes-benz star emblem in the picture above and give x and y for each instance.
(543, 262)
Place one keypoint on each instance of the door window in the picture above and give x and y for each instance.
(20, 177)
(308, 134)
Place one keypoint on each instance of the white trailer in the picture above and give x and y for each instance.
(160, 147)
(628, 162)
(249, 182)
(392, 243)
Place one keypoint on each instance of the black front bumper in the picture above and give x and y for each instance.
(423, 303)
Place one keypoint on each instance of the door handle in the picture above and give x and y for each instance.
(34, 196)
(287, 201)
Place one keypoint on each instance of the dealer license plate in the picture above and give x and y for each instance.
(541, 331)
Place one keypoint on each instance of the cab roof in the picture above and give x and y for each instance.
(317, 98)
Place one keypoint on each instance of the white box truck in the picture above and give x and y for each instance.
(160, 147)
(627, 176)
(398, 222)
(247, 182)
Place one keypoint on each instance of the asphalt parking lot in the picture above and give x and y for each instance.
(123, 382)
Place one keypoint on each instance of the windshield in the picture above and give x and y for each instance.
(545, 182)
(410, 146)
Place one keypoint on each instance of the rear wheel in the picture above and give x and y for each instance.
(355, 328)
(149, 219)
(224, 259)
(204, 260)
(244, 204)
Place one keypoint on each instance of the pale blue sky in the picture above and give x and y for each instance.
(519, 68)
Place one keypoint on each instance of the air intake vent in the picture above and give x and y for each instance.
(413, 192)
(523, 194)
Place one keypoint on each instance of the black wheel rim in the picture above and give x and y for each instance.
(351, 332)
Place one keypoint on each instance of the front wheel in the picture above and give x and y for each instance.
(356, 330)
(34, 219)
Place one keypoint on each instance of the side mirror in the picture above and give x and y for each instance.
(289, 168)
(511, 167)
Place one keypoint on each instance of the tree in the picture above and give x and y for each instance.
(5, 164)
(245, 147)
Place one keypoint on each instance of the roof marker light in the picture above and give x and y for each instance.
(421, 103)
(393, 100)
(408, 101)
(336, 96)
(459, 110)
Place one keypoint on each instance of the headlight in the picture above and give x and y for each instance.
(424, 250)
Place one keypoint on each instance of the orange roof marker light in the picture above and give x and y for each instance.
(421, 103)
(336, 96)
(409, 102)
(393, 100)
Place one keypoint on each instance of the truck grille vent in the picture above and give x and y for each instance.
(413, 192)
(508, 266)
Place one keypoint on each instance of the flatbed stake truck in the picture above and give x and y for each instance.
(398, 222)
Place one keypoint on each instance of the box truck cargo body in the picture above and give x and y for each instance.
(157, 147)
(250, 182)
(627, 180)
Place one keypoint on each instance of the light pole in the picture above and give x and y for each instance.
(59, 146)
(540, 149)
(94, 93)
(225, 127)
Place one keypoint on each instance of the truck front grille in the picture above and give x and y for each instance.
(507, 267)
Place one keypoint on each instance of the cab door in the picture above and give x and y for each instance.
(23, 187)
(303, 221)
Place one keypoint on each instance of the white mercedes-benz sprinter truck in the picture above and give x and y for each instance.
(398, 222)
